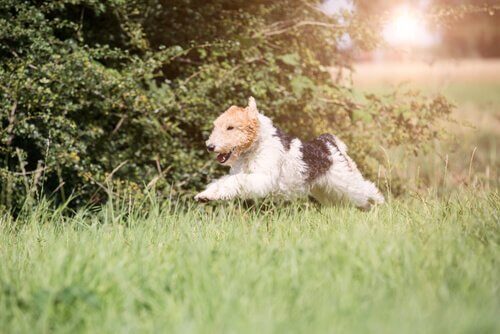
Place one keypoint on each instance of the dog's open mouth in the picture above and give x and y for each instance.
(223, 157)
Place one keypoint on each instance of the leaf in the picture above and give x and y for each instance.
(292, 59)
(361, 115)
(300, 84)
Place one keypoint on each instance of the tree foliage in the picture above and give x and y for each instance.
(120, 92)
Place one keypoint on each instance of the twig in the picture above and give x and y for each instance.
(194, 75)
(186, 51)
(301, 24)
(58, 187)
(470, 163)
(114, 171)
(41, 169)
(188, 61)
(23, 170)
(119, 124)
(158, 177)
(12, 120)
(344, 104)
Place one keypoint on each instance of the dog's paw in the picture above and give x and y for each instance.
(206, 196)
(201, 198)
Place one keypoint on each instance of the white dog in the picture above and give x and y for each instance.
(265, 160)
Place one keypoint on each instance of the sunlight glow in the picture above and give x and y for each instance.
(407, 28)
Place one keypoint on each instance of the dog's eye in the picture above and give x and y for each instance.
(230, 127)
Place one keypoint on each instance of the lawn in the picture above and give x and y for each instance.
(411, 266)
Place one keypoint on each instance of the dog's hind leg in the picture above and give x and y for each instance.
(323, 196)
(351, 186)
(363, 193)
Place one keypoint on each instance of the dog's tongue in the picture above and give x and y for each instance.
(221, 157)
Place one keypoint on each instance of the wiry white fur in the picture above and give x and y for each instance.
(267, 167)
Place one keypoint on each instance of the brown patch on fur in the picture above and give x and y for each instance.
(236, 129)
(250, 128)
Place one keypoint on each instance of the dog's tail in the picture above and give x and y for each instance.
(371, 196)
(340, 144)
(375, 196)
(368, 194)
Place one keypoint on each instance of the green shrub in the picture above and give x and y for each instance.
(99, 93)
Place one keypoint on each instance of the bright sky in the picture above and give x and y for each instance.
(406, 26)
(336, 6)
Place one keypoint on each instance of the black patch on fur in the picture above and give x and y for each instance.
(316, 155)
(329, 139)
(286, 139)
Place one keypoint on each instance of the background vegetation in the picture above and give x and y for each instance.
(468, 154)
(113, 94)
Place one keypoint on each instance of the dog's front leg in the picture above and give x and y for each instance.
(239, 185)
(223, 188)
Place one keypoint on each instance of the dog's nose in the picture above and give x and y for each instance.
(210, 148)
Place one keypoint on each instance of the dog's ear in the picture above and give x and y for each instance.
(252, 107)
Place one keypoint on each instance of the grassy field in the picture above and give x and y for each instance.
(425, 263)
(413, 266)
(470, 154)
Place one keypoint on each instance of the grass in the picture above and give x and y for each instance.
(412, 266)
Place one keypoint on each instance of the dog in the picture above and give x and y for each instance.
(265, 160)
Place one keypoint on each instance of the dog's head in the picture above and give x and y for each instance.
(234, 132)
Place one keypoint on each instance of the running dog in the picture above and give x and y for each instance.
(265, 160)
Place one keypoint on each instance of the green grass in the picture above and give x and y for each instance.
(411, 266)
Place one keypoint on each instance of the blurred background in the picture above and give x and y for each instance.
(412, 26)
(459, 58)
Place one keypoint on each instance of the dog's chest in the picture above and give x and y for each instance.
(253, 163)
(247, 166)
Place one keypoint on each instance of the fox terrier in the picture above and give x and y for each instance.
(265, 160)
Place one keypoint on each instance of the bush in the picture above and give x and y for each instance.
(100, 93)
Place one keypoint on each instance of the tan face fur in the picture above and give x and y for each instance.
(234, 132)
